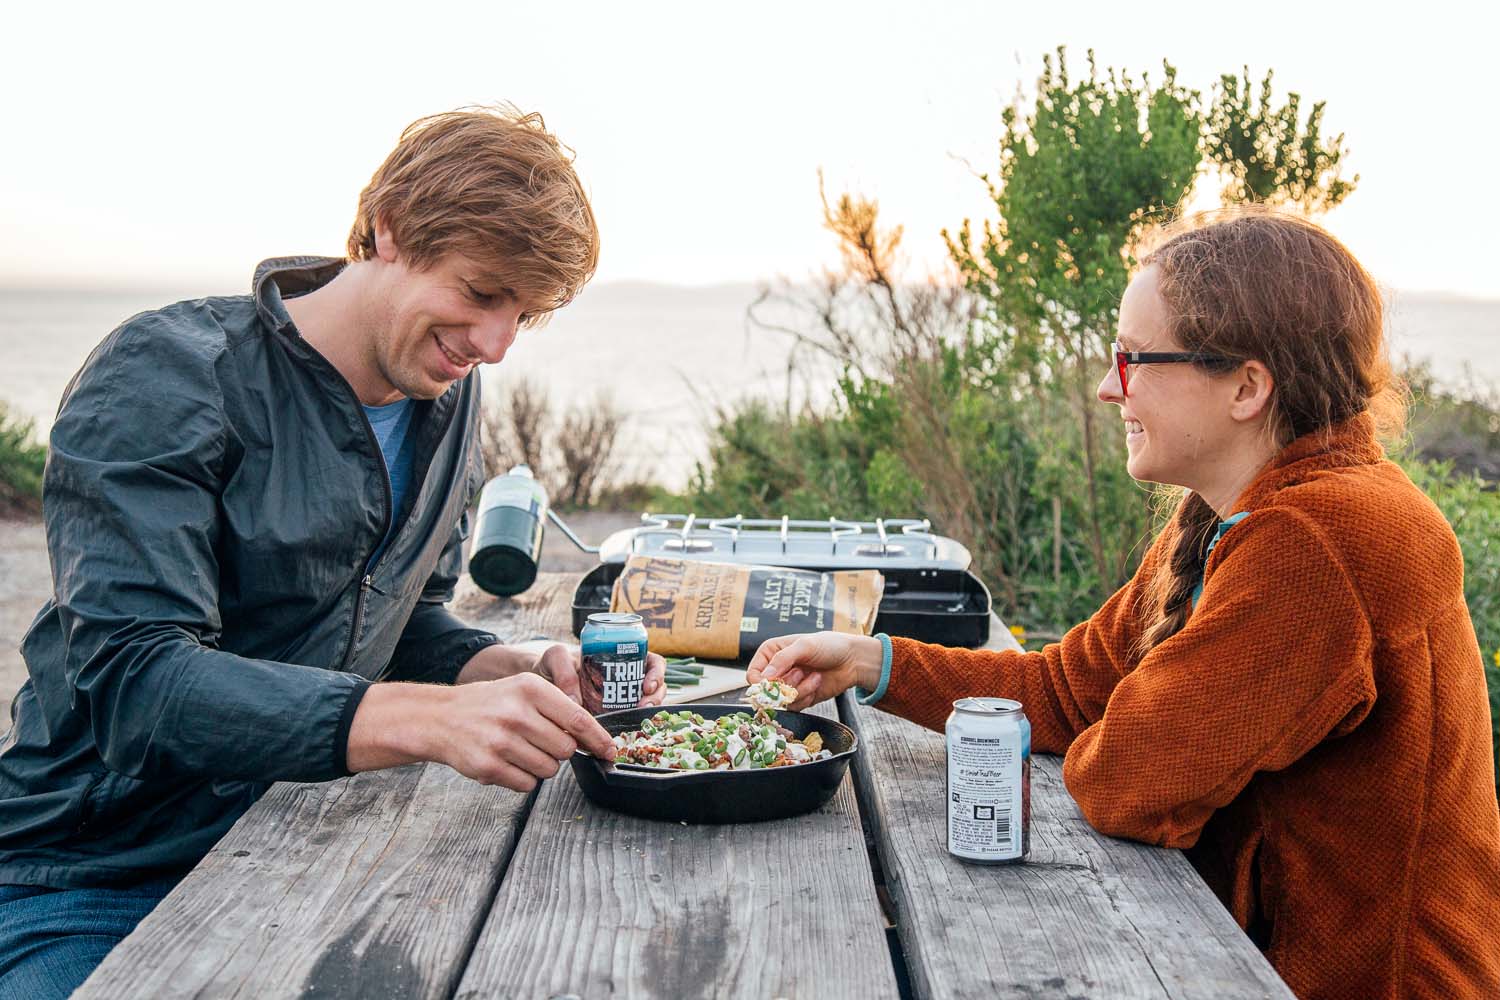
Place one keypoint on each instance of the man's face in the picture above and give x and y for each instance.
(431, 327)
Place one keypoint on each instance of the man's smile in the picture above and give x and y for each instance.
(459, 363)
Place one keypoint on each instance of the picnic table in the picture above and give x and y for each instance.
(416, 882)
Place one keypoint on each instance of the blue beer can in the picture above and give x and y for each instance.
(614, 661)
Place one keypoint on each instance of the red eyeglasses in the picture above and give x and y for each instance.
(1124, 359)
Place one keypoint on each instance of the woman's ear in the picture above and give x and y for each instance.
(1252, 396)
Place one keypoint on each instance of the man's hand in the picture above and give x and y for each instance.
(517, 731)
(512, 719)
(560, 664)
(512, 732)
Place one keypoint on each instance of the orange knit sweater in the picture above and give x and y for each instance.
(1318, 734)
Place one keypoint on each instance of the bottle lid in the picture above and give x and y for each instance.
(502, 570)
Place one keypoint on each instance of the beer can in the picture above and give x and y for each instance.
(614, 661)
(989, 781)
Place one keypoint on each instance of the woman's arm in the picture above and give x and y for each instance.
(1063, 687)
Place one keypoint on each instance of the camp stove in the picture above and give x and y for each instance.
(930, 593)
(831, 544)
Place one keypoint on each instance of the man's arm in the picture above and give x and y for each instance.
(509, 732)
(137, 456)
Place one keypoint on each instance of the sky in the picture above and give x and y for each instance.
(178, 144)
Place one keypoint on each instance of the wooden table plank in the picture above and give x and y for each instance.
(545, 610)
(598, 904)
(373, 885)
(1088, 915)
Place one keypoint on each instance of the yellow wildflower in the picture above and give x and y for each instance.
(1020, 634)
(1497, 655)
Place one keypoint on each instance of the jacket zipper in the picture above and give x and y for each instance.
(367, 583)
(365, 586)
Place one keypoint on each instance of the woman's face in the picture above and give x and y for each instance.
(1178, 428)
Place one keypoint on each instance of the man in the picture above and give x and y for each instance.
(255, 511)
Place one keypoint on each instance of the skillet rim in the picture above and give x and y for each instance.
(710, 775)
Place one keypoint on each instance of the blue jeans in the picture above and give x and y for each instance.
(52, 939)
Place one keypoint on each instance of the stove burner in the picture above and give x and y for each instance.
(835, 543)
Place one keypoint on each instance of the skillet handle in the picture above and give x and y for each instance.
(654, 773)
(635, 776)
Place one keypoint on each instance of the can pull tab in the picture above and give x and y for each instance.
(987, 706)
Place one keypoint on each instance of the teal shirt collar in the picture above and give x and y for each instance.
(1219, 533)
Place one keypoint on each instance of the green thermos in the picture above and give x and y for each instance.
(508, 540)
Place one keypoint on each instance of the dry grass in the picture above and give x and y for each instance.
(571, 452)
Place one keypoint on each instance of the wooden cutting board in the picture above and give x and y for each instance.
(716, 680)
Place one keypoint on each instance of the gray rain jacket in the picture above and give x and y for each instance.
(212, 496)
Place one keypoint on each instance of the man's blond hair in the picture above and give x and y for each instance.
(492, 184)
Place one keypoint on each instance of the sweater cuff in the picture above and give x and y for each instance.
(346, 722)
(871, 697)
(450, 670)
(450, 664)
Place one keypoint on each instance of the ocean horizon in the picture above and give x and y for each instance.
(671, 356)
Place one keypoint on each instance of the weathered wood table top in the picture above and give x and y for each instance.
(416, 882)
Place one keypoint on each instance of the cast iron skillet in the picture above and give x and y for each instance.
(745, 796)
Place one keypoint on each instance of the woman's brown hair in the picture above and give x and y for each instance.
(494, 185)
(1263, 285)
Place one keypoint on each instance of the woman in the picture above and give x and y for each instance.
(1290, 686)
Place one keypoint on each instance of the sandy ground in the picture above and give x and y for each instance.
(26, 579)
(25, 585)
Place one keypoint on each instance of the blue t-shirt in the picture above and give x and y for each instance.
(390, 423)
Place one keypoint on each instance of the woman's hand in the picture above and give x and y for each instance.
(819, 665)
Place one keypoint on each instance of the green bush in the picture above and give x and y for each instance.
(21, 463)
(976, 407)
